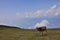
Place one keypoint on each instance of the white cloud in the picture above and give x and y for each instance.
(40, 24)
(52, 11)
(56, 14)
(53, 7)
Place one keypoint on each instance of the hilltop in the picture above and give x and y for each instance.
(5, 26)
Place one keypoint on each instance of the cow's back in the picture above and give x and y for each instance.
(41, 28)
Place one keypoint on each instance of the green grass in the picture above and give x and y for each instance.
(26, 34)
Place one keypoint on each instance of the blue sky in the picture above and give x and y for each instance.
(30, 13)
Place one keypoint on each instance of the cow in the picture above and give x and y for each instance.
(41, 29)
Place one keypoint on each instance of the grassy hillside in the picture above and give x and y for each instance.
(7, 33)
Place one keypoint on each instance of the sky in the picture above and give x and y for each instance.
(30, 13)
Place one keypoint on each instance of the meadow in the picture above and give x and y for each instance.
(7, 33)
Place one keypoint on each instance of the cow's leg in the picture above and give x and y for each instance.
(42, 33)
(46, 31)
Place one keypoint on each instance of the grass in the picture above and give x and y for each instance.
(27, 34)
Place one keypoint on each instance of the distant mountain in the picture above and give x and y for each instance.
(9, 26)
